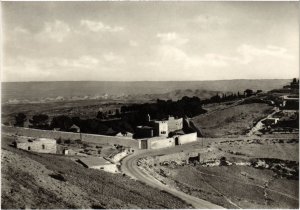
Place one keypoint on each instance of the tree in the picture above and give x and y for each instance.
(101, 115)
(248, 92)
(62, 122)
(20, 119)
(118, 114)
(215, 98)
(40, 121)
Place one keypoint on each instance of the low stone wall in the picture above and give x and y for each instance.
(179, 157)
(119, 156)
(187, 138)
(89, 138)
(190, 124)
(161, 143)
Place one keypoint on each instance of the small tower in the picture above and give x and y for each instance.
(148, 118)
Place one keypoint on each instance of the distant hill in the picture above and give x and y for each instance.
(31, 91)
(177, 94)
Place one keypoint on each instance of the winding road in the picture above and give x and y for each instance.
(130, 168)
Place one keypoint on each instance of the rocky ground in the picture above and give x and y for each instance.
(53, 181)
(228, 120)
(236, 173)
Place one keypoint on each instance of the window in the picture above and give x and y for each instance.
(29, 148)
(163, 132)
(43, 146)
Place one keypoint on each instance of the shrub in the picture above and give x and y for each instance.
(58, 177)
(59, 141)
(68, 141)
(223, 161)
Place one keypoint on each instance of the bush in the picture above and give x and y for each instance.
(223, 161)
(58, 177)
(59, 141)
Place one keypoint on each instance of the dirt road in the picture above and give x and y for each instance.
(129, 167)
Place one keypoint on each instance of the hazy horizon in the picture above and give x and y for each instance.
(149, 41)
(148, 80)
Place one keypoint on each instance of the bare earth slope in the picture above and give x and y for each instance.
(32, 180)
(233, 121)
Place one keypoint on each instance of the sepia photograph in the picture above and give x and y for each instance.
(150, 104)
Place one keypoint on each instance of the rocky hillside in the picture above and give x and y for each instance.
(51, 181)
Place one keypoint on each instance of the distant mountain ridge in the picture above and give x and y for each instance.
(61, 90)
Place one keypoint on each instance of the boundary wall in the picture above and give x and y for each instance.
(158, 143)
(187, 138)
(88, 138)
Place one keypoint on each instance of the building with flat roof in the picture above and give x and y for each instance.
(290, 102)
(174, 124)
(144, 132)
(160, 128)
(41, 145)
(98, 163)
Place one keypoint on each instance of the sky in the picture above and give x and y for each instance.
(149, 41)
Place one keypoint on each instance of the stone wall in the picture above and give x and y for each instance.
(89, 138)
(180, 157)
(119, 156)
(41, 146)
(160, 143)
(187, 138)
(188, 124)
(175, 124)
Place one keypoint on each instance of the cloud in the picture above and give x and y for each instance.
(249, 53)
(171, 38)
(133, 43)
(209, 22)
(57, 31)
(111, 57)
(20, 30)
(23, 69)
(174, 58)
(208, 19)
(56, 68)
(82, 62)
(99, 26)
(171, 57)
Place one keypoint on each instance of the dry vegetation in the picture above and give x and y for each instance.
(238, 186)
(260, 172)
(52, 181)
(232, 121)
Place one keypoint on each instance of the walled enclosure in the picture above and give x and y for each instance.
(187, 138)
(176, 157)
(42, 145)
(157, 143)
(175, 124)
(89, 138)
(163, 142)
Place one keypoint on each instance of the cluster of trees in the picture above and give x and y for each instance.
(20, 119)
(65, 123)
(126, 119)
(187, 106)
(108, 114)
(230, 97)
(42, 121)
